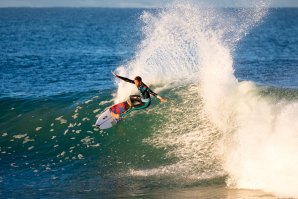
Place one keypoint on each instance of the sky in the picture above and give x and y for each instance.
(131, 3)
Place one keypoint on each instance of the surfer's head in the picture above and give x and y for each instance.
(138, 81)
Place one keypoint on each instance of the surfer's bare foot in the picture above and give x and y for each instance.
(117, 116)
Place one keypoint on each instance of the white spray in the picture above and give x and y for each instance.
(259, 144)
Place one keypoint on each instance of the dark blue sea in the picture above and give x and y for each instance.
(224, 133)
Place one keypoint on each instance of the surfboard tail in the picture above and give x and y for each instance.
(107, 120)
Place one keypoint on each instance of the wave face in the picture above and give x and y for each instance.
(217, 130)
(222, 126)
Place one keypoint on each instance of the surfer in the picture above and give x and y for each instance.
(142, 101)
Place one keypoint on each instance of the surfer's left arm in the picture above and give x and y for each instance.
(124, 78)
(156, 95)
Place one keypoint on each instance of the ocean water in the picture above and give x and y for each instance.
(229, 129)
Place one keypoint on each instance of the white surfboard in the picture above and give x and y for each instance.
(106, 120)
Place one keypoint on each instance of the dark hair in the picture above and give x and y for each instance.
(138, 78)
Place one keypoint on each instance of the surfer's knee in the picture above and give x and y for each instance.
(129, 102)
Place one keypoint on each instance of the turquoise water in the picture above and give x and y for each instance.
(55, 76)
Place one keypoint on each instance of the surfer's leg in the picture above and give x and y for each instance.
(129, 103)
(136, 104)
(135, 100)
(144, 105)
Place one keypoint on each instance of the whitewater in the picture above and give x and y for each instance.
(222, 127)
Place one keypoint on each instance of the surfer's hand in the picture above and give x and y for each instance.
(114, 74)
(162, 99)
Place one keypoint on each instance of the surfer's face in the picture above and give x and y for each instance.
(137, 83)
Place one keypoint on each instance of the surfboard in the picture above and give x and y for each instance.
(105, 120)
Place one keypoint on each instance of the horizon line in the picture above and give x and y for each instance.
(135, 7)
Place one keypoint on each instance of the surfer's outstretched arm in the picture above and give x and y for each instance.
(156, 95)
(124, 78)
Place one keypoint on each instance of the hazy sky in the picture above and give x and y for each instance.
(130, 3)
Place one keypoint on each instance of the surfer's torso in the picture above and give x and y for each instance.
(145, 92)
(143, 89)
